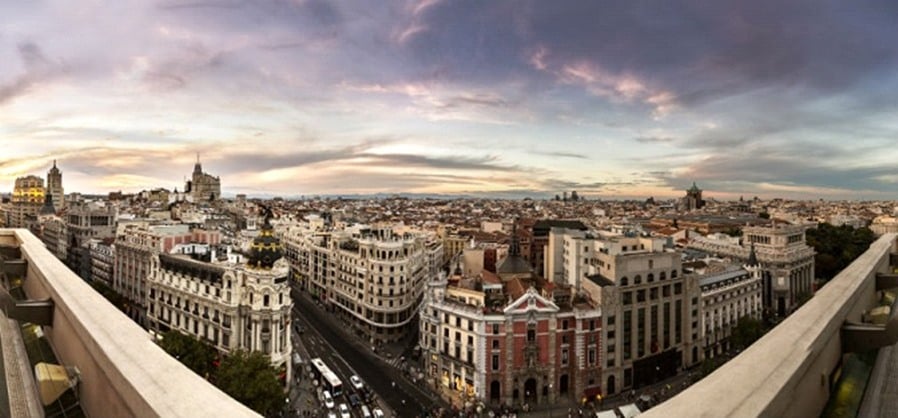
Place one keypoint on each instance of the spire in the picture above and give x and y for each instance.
(54, 163)
(197, 168)
(752, 257)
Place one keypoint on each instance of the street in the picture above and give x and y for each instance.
(327, 338)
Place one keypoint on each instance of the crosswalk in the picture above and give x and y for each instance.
(394, 362)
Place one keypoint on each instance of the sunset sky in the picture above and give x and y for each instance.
(794, 99)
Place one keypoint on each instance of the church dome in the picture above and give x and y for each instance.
(266, 248)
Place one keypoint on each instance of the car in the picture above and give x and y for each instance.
(356, 382)
(344, 411)
(378, 413)
(355, 400)
(328, 400)
(331, 414)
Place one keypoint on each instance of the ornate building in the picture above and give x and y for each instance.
(135, 246)
(231, 301)
(727, 296)
(372, 277)
(203, 187)
(509, 339)
(54, 187)
(787, 262)
(27, 199)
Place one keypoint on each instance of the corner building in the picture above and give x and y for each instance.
(371, 277)
(230, 303)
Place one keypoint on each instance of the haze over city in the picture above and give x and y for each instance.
(505, 99)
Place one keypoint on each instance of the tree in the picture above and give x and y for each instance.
(747, 331)
(837, 247)
(196, 354)
(249, 378)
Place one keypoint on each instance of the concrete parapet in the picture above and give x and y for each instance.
(789, 372)
(123, 373)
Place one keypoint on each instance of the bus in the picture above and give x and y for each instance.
(328, 378)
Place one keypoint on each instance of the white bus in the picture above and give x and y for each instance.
(328, 378)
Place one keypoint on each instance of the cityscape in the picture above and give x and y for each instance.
(444, 209)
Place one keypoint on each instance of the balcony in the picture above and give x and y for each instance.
(122, 372)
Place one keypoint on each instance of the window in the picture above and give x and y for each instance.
(627, 298)
(564, 324)
(611, 320)
(592, 324)
(640, 332)
(678, 288)
(564, 357)
(592, 356)
(531, 335)
(564, 339)
(623, 281)
(637, 279)
(495, 362)
(650, 277)
(640, 296)
(495, 329)
(495, 344)
(265, 300)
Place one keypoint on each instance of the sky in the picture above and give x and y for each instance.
(795, 99)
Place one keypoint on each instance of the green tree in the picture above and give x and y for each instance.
(249, 378)
(747, 331)
(837, 247)
(196, 354)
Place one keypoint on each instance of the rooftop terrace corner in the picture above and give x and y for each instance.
(122, 372)
(790, 371)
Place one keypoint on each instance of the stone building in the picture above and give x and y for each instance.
(135, 246)
(787, 262)
(728, 295)
(650, 311)
(231, 301)
(26, 201)
(203, 187)
(102, 260)
(371, 277)
(86, 221)
(510, 338)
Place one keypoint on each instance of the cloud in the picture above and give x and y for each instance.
(38, 69)
(653, 139)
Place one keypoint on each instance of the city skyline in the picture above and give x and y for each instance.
(506, 99)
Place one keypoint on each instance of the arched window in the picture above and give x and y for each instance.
(623, 281)
(650, 277)
(662, 276)
(637, 279)
(673, 274)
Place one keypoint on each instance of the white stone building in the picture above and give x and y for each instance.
(233, 302)
(371, 277)
(787, 262)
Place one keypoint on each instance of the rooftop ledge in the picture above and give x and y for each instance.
(789, 371)
(123, 373)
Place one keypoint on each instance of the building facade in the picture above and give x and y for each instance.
(488, 339)
(102, 261)
(371, 277)
(787, 263)
(228, 300)
(728, 296)
(86, 221)
(650, 311)
(136, 245)
(26, 201)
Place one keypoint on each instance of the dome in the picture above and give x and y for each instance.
(266, 248)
